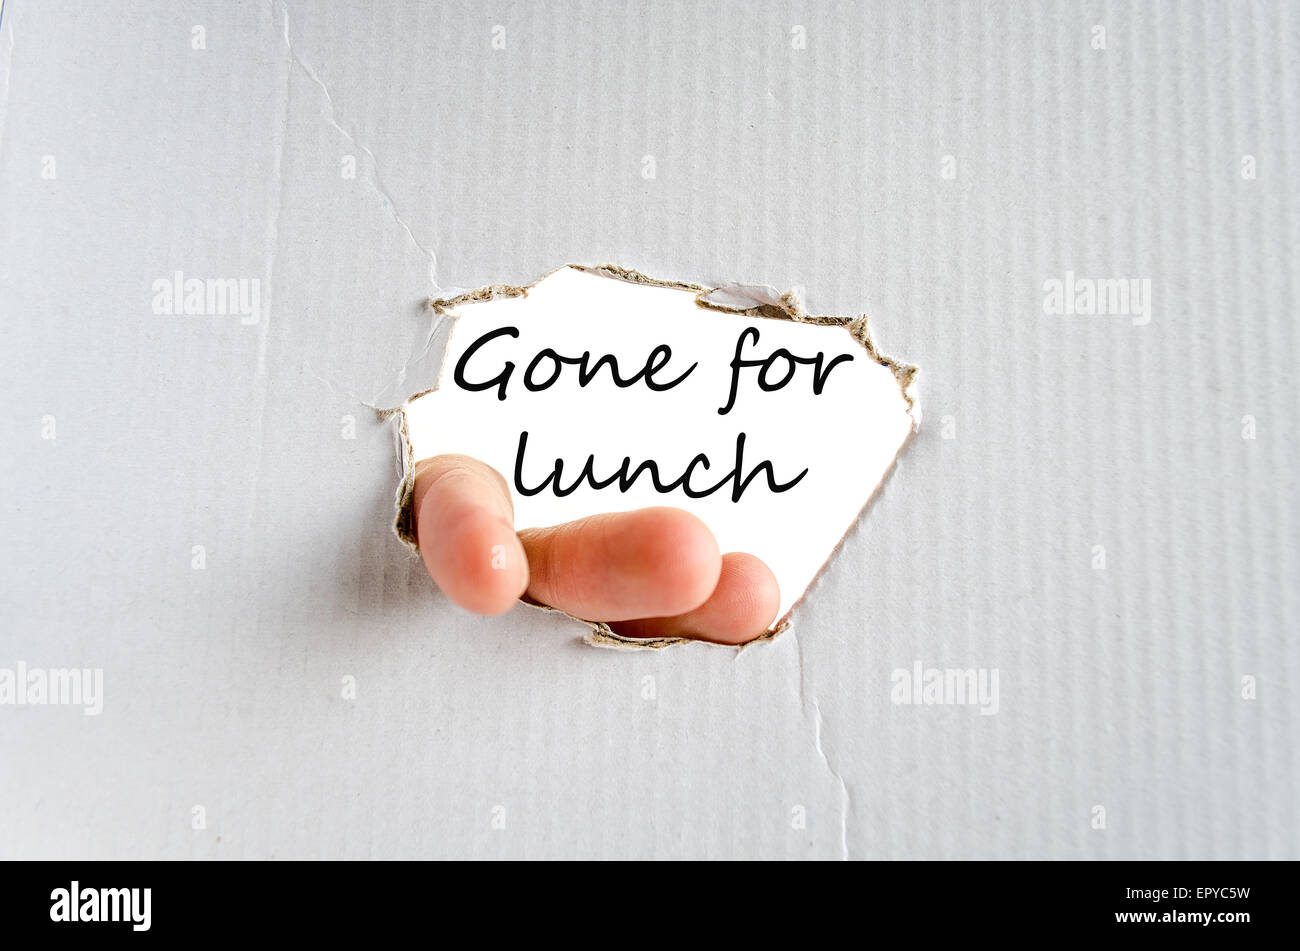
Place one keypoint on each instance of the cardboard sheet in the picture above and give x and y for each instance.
(1099, 505)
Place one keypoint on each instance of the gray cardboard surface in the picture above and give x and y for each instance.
(201, 505)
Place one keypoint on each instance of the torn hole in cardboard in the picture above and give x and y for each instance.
(802, 412)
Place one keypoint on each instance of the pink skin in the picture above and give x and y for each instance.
(740, 607)
(655, 572)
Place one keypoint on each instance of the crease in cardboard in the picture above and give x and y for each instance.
(739, 299)
(844, 787)
(376, 179)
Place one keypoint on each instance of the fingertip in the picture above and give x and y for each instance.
(679, 555)
(614, 566)
(745, 602)
(479, 564)
(741, 607)
(465, 533)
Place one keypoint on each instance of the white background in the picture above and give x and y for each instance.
(818, 166)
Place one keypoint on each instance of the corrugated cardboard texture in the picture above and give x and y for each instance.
(929, 164)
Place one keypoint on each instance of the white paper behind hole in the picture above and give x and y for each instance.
(847, 436)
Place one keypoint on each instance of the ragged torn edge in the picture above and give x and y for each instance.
(742, 300)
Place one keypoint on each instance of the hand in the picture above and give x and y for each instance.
(654, 572)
